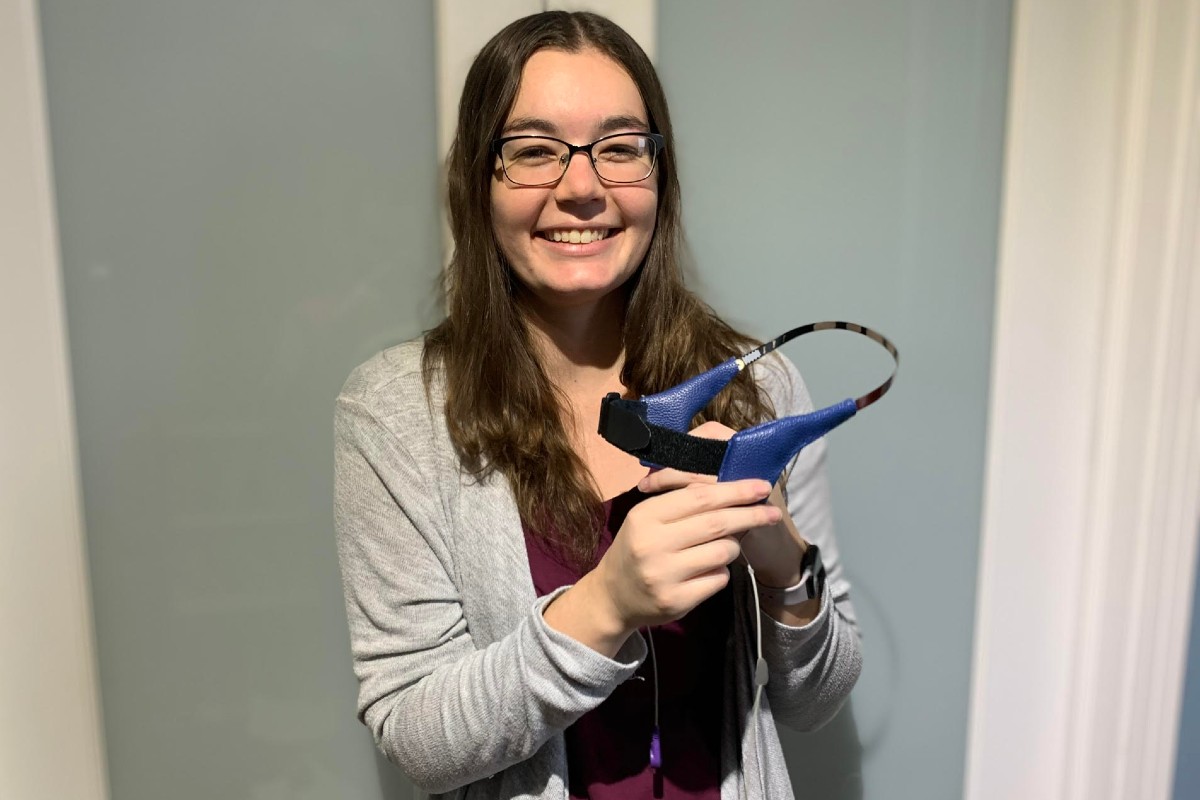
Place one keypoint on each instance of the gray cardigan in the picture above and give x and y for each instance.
(463, 684)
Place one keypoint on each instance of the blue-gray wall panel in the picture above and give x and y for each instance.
(1187, 763)
(247, 197)
(843, 160)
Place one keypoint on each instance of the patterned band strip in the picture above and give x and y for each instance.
(859, 402)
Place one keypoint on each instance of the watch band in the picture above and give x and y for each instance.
(811, 585)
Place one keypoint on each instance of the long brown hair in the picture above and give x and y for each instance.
(502, 412)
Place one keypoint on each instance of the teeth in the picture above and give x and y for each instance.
(578, 236)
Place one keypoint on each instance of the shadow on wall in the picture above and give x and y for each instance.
(826, 763)
(392, 783)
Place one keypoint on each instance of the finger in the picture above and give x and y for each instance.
(698, 498)
(726, 522)
(665, 480)
(702, 587)
(704, 558)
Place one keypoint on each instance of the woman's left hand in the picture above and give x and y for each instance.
(775, 551)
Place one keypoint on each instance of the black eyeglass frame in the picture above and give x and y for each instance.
(660, 144)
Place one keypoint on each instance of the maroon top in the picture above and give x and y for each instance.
(608, 748)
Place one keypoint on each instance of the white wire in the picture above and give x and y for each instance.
(760, 666)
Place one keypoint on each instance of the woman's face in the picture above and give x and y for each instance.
(576, 97)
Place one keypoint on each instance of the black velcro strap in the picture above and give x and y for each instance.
(623, 424)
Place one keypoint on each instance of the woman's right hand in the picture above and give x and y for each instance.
(672, 553)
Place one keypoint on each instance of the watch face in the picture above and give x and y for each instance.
(813, 565)
(812, 559)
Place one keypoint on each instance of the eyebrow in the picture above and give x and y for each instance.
(620, 122)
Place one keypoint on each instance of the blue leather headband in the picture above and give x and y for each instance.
(655, 427)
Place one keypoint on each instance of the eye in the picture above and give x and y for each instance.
(619, 152)
(622, 149)
(531, 152)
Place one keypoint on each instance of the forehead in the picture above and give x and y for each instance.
(575, 92)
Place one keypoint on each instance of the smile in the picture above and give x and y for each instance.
(576, 235)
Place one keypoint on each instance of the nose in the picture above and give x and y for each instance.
(580, 182)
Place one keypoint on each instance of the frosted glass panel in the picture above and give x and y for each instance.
(873, 196)
(248, 204)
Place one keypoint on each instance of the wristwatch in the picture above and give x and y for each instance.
(811, 585)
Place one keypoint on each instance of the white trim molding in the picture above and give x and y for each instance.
(1092, 496)
(51, 737)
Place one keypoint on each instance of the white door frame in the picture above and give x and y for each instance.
(51, 736)
(1092, 496)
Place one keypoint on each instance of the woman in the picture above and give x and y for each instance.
(501, 561)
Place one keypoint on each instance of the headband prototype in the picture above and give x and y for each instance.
(655, 427)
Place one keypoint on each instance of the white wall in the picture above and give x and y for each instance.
(50, 733)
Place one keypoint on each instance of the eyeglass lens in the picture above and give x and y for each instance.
(532, 160)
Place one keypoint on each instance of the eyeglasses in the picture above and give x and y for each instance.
(543, 160)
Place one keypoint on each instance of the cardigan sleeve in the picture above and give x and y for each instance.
(813, 667)
(444, 710)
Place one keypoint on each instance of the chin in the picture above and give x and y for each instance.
(578, 295)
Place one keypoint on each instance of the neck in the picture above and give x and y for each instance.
(580, 347)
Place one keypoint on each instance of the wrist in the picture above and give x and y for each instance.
(806, 587)
(776, 551)
(777, 580)
(784, 568)
(586, 614)
(602, 607)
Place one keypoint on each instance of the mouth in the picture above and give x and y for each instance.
(577, 235)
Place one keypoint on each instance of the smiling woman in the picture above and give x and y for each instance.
(507, 571)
